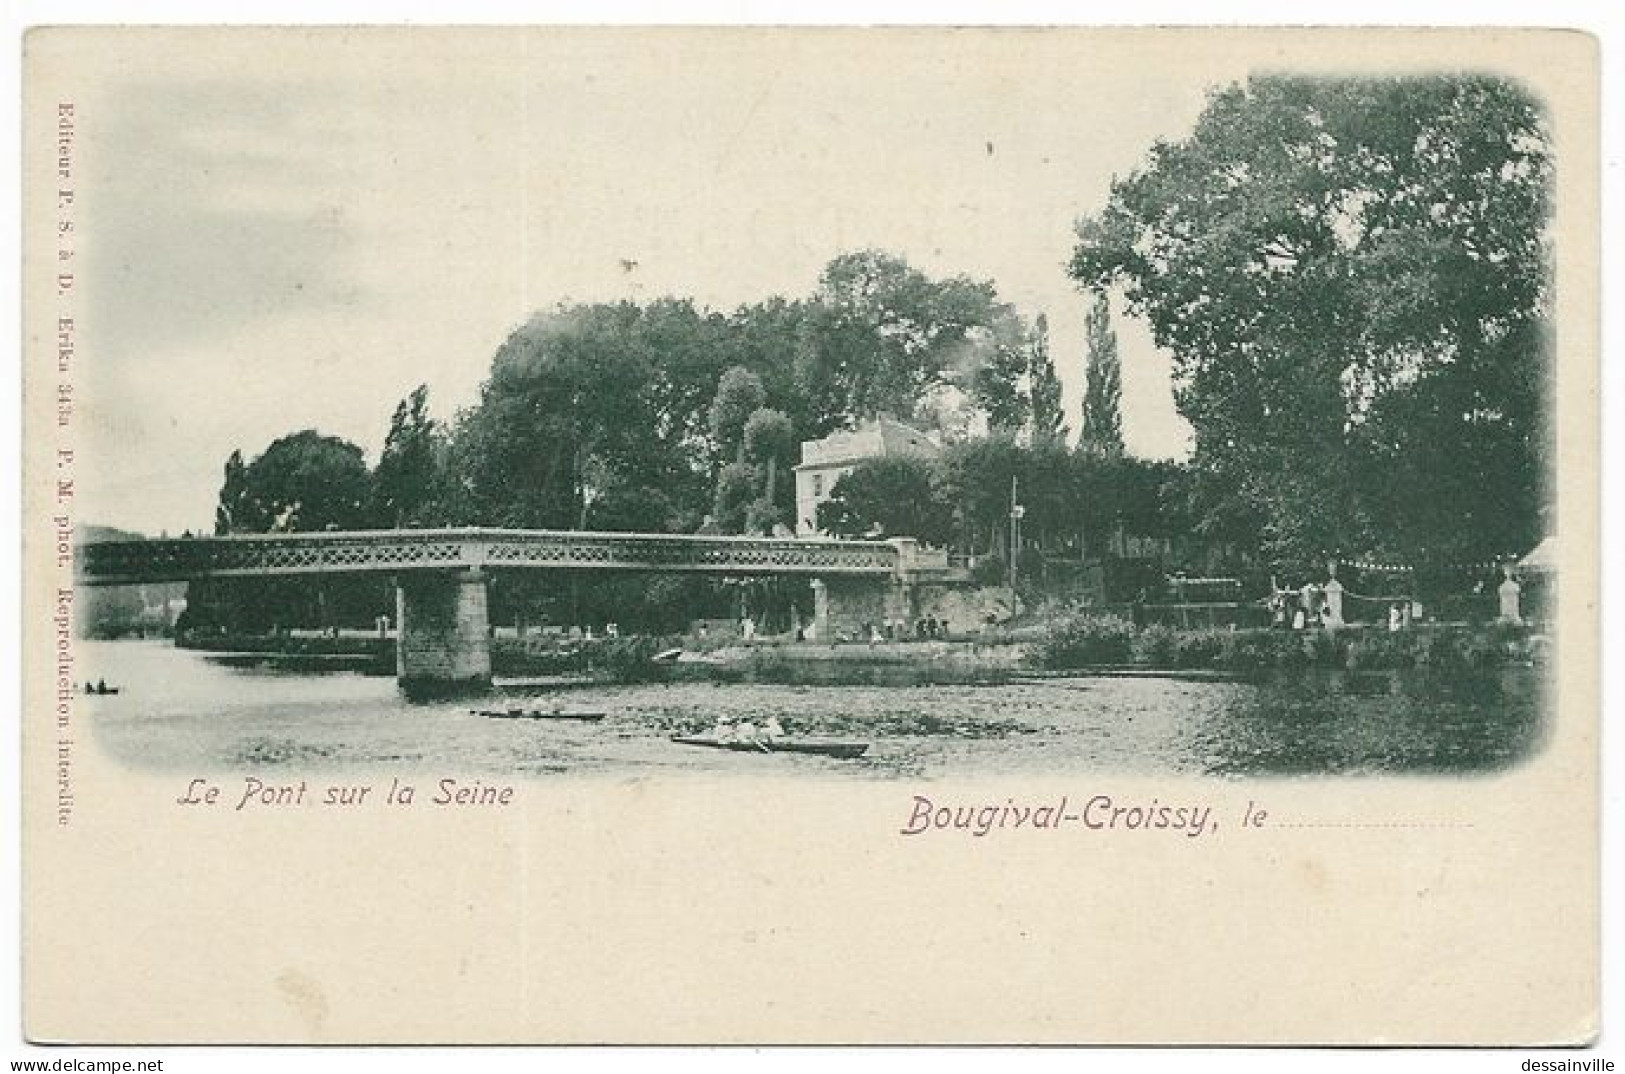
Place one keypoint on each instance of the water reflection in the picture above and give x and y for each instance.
(1398, 721)
(184, 712)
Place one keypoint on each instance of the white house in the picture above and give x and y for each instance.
(826, 461)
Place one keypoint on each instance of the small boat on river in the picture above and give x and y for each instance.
(538, 714)
(843, 750)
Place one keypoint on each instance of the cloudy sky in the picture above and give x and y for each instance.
(292, 230)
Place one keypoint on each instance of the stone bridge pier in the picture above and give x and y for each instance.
(922, 584)
(443, 633)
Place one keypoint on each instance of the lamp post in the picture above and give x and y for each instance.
(1016, 513)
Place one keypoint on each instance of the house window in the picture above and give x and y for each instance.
(818, 484)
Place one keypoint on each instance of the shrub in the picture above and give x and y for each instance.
(1438, 648)
(1156, 646)
(1320, 647)
(1249, 650)
(1086, 640)
(1379, 650)
(1200, 648)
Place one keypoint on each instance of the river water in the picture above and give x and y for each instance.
(186, 712)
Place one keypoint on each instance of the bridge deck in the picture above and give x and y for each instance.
(387, 551)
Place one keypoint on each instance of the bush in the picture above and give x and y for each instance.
(1380, 650)
(1200, 648)
(1249, 650)
(1086, 640)
(1320, 647)
(1438, 648)
(1156, 646)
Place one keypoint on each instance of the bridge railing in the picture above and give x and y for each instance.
(178, 559)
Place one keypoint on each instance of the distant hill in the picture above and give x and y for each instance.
(127, 610)
(103, 534)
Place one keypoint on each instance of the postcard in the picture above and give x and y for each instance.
(810, 535)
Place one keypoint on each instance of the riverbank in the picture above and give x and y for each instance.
(1086, 642)
(370, 654)
(768, 660)
(1102, 645)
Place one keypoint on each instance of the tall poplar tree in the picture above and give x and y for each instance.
(1044, 389)
(1102, 383)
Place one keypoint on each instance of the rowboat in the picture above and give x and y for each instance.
(537, 714)
(845, 750)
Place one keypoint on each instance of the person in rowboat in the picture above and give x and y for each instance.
(772, 730)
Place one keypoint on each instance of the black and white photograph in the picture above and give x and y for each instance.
(1029, 438)
(821, 452)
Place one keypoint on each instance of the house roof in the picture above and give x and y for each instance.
(880, 438)
(1543, 557)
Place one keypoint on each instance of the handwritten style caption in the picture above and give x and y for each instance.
(1100, 813)
(258, 795)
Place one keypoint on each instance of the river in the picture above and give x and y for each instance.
(186, 712)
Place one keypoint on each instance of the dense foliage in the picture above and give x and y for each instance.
(1092, 641)
(1102, 429)
(1351, 277)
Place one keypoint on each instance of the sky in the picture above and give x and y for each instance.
(289, 231)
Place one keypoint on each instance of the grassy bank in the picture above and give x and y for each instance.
(1091, 641)
(381, 650)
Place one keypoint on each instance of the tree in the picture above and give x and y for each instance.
(739, 395)
(1102, 383)
(735, 492)
(1351, 277)
(1044, 388)
(976, 481)
(231, 514)
(758, 441)
(880, 336)
(763, 517)
(998, 379)
(888, 497)
(592, 415)
(302, 483)
(407, 479)
(770, 443)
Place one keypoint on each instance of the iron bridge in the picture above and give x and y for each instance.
(390, 551)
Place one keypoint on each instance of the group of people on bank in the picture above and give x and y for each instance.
(1301, 609)
(1311, 606)
(926, 628)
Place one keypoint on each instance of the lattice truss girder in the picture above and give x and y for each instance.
(201, 557)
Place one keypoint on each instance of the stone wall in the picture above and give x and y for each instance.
(850, 605)
(967, 609)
